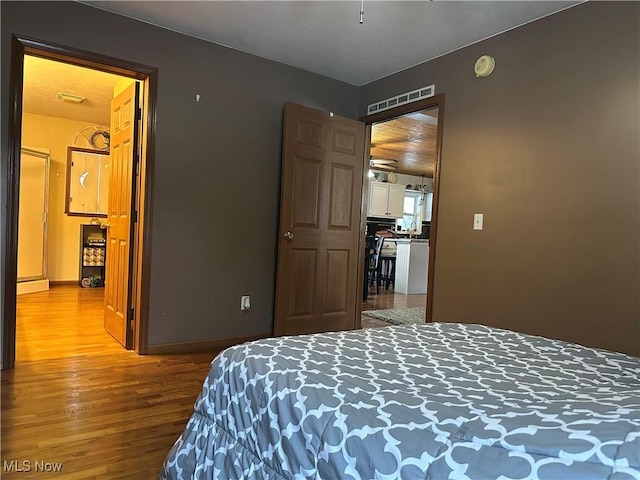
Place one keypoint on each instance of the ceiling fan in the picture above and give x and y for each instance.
(386, 164)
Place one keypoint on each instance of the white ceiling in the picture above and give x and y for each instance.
(326, 37)
(43, 79)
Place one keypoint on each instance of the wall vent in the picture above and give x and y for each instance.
(401, 99)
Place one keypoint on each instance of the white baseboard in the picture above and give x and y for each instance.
(33, 286)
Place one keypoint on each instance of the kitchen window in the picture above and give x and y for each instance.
(411, 218)
(417, 209)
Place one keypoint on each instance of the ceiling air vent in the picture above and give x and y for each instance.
(70, 97)
(401, 99)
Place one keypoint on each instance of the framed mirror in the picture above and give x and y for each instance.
(87, 192)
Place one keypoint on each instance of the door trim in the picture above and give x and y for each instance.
(21, 46)
(437, 101)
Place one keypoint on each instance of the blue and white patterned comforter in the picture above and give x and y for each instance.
(431, 401)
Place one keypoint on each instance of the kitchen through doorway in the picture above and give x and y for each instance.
(404, 154)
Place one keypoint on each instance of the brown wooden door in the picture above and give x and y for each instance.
(124, 108)
(319, 237)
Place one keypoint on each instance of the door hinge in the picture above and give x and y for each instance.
(131, 314)
(135, 216)
(139, 115)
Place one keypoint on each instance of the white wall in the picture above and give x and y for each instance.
(64, 230)
(414, 180)
(402, 179)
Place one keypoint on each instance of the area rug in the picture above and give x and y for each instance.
(398, 316)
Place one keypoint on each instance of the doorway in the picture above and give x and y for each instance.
(142, 185)
(66, 112)
(401, 213)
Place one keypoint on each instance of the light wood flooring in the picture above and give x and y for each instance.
(77, 398)
(64, 321)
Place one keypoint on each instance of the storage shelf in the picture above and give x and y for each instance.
(93, 256)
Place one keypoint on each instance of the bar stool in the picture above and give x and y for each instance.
(388, 270)
(372, 266)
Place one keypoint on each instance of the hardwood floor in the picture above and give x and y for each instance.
(388, 299)
(64, 321)
(77, 398)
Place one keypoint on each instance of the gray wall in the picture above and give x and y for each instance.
(547, 148)
(217, 177)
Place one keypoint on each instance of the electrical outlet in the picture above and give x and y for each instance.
(478, 220)
(245, 302)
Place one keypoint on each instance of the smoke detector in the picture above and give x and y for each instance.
(484, 66)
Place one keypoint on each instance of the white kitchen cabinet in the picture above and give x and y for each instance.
(386, 200)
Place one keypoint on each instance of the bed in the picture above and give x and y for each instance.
(431, 401)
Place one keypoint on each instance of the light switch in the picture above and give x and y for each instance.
(478, 219)
(245, 302)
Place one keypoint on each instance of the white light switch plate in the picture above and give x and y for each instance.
(245, 302)
(478, 219)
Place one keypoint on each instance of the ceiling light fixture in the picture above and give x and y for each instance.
(70, 97)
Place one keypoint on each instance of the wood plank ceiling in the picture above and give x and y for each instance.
(410, 140)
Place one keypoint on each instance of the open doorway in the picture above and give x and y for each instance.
(61, 245)
(400, 242)
(137, 194)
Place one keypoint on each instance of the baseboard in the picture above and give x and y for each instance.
(32, 286)
(62, 283)
(214, 346)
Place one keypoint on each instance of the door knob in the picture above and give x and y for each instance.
(288, 235)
